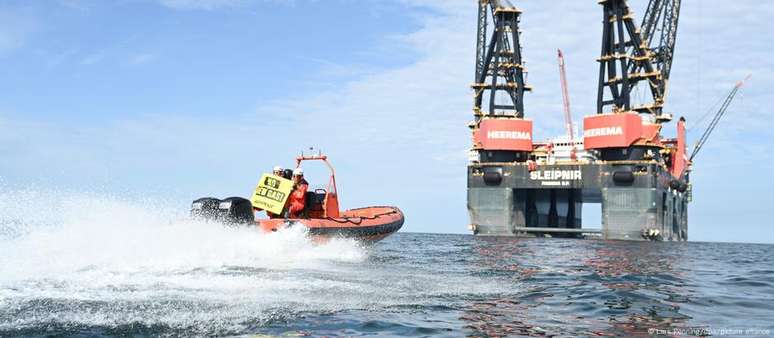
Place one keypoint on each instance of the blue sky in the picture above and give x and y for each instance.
(181, 98)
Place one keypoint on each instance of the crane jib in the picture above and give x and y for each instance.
(715, 119)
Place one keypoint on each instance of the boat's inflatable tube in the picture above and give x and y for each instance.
(322, 216)
(368, 224)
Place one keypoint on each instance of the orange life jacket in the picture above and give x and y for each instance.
(297, 199)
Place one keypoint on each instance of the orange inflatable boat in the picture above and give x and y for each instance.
(321, 214)
(367, 224)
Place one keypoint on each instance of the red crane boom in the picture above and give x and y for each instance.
(565, 98)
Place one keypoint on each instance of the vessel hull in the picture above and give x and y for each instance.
(639, 200)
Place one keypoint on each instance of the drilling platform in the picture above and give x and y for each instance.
(518, 187)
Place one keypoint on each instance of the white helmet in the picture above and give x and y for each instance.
(277, 168)
(298, 172)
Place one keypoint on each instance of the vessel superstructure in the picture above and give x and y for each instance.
(641, 179)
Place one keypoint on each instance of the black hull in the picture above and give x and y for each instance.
(640, 200)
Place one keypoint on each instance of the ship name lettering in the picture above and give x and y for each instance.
(604, 131)
(508, 135)
(555, 175)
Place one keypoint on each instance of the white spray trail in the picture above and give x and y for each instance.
(84, 260)
(83, 248)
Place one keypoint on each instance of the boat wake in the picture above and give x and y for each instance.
(91, 261)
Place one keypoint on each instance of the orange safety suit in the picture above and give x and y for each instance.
(297, 199)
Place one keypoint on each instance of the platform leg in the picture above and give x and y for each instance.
(495, 211)
(626, 212)
(574, 213)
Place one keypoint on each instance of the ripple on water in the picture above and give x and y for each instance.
(123, 271)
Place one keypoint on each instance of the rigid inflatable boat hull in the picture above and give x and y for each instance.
(366, 224)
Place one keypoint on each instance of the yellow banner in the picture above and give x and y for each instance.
(271, 193)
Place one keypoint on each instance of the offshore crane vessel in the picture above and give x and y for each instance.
(518, 187)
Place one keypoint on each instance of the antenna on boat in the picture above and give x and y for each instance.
(311, 152)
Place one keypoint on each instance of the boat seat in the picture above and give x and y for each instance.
(313, 206)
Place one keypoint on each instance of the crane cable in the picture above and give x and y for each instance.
(716, 118)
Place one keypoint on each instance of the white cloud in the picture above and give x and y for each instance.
(142, 58)
(172, 152)
(15, 28)
(413, 119)
(400, 134)
(57, 59)
(431, 93)
(202, 4)
(80, 5)
(93, 58)
(114, 47)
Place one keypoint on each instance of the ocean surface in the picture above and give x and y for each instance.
(89, 266)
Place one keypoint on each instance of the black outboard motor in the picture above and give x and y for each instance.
(236, 210)
(232, 210)
(205, 208)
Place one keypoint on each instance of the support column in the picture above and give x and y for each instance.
(684, 220)
(627, 211)
(493, 210)
(543, 207)
(574, 214)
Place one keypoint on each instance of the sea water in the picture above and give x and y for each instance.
(93, 265)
